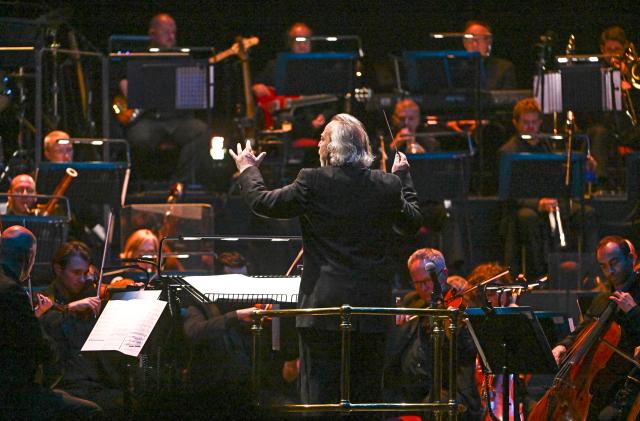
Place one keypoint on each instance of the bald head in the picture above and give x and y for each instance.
(21, 191)
(56, 152)
(162, 31)
(18, 251)
(299, 29)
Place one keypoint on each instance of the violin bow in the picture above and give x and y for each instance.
(107, 241)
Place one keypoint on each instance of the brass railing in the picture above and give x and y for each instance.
(437, 316)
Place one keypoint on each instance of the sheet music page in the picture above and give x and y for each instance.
(246, 285)
(124, 326)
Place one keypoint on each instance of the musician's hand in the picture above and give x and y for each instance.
(636, 353)
(547, 204)
(592, 164)
(291, 370)
(90, 303)
(44, 304)
(260, 90)
(318, 122)
(245, 314)
(401, 138)
(400, 163)
(558, 353)
(245, 158)
(402, 319)
(624, 300)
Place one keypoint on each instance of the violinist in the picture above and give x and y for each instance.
(23, 346)
(616, 261)
(22, 191)
(87, 375)
(407, 371)
(142, 243)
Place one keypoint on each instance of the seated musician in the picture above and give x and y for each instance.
(499, 73)
(526, 221)
(615, 260)
(407, 373)
(21, 199)
(308, 122)
(153, 127)
(23, 346)
(612, 133)
(87, 375)
(58, 152)
(220, 364)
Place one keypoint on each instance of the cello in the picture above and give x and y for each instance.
(569, 397)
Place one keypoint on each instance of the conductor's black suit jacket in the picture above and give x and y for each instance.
(349, 218)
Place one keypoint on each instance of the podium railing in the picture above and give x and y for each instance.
(438, 316)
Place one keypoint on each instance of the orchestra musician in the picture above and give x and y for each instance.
(22, 191)
(616, 262)
(23, 346)
(153, 127)
(525, 220)
(407, 372)
(58, 152)
(308, 123)
(350, 216)
(499, 73)
(608, 131)
(92, 376)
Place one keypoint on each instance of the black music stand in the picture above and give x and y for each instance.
(430, 72)
(170, 83)
(443, 176)
(510, 340)
(315, 73)
(103, 183)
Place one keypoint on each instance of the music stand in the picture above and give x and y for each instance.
(430, 72)
(511, 341)
(170, 83)
(50, 231)
(315, 73)
(15, 32)
(103, 183)
(532, 175)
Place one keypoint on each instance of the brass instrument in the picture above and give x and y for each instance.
(60, 189)
(630, 72)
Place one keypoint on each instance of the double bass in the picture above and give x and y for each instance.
(570, 397)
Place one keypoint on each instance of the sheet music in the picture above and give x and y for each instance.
(124, 326)
(246, 285)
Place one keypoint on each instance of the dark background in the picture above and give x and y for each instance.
(385, 26)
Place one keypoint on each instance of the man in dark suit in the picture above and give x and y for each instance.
(499, 73)
(349, 216)
(23, 347)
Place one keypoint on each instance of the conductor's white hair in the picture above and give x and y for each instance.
(348, 142)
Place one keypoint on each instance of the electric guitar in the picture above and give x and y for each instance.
(127, 116)
(273, 103)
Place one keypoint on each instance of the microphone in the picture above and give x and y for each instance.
(436, 295)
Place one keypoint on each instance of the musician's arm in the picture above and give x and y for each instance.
(198, 327)
(410, 218)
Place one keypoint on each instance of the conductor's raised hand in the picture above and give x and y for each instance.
(400, 162)
(245, 158)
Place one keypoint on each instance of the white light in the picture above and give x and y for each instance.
(468, 36)
(217, 150)
(190, 238)
(359, 74)
(230, 239)
(63, 141)
(526, 136)
(301, 39)
(332, 39)
(280, 239)
(563, 60)
(557, 137)
(97, 142)
(185, 50)
(593, 59)
(154, 50)
(148, 256)
(182, 256)
(439, 36)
